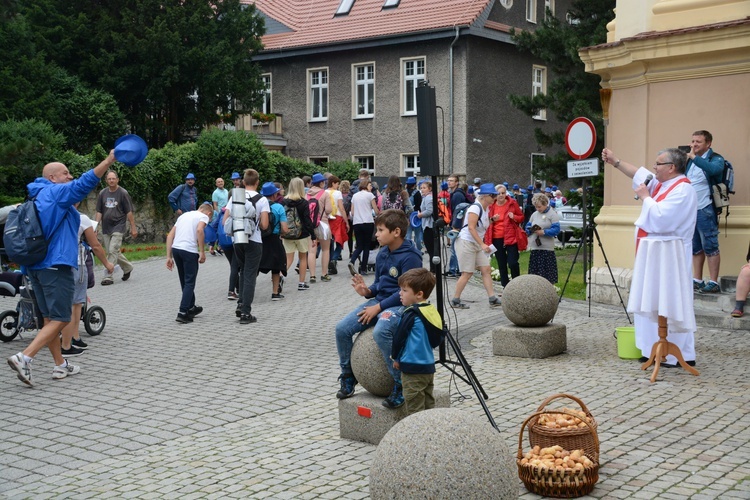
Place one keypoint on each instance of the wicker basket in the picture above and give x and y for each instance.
(576, 438)
(553, 483)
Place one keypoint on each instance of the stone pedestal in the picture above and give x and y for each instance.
(363, 417)
(529, 342)
(443, 453)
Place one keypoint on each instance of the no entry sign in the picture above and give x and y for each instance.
(580, 138)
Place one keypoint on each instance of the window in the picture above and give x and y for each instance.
(412, 72)
(365, 161)
(531, 11)
(539, 86)
(317, 94)
(549, 5)
(506, 3)
(364, 91)
(344, 7)
(266, 106)
(410, 165)
(317, 160)
(389, 4)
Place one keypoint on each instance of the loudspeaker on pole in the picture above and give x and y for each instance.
(429, 161)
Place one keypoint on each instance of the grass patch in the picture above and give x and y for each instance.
(576, 288)
(142, 251)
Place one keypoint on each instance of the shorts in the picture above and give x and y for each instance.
(470, 255)
(706, 235)
(81, 285)
(301, 245)
(53, 289)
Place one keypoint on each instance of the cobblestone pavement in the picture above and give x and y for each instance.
(215, 409)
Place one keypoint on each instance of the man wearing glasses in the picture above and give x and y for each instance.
(669, 208)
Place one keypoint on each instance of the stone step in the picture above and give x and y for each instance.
(711, 318)
(728, 283)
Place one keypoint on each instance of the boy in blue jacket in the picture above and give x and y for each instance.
(383, 307)
(419, 332)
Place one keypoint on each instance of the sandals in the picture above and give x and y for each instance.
(738, 313)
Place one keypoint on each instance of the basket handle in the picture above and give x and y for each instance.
(560, 396)
(565, 412)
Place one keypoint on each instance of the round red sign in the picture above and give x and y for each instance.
(580, 138)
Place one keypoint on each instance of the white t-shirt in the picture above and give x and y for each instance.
(482, 223)
(260, 207)
(700, 184)
(362, 207)
(185, 228)
(85, 224)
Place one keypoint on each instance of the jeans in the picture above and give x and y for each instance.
(453, 262)
(506, 257)
(363, 235)
(187, 269)
(385, 328)
(336, 251)
(248, 260)
(706, 235)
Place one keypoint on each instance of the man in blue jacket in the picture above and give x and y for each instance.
(184, 198)
(704, 169)
(52, 279)
(383, 307)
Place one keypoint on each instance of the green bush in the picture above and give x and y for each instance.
(288, 168)
(344, 170)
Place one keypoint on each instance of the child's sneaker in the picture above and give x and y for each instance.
(396, 399)
(348, 383)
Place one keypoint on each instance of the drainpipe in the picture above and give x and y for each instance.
(450, 105)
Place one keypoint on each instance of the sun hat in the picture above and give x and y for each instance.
(487, 188)
(414, 219)
(189, 176)
(130, 150)
(318, 178)
(268, 189)
(411, 180)
(235, 175)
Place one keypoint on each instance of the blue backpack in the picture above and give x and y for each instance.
(23, 237)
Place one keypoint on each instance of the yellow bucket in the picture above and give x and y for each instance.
(626, 348)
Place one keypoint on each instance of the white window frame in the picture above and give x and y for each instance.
(368, 83)
(413, 79)
(412, 170)
(322, 86)
(369, 164)
(539, 86)
(267, 104)
(344, 7)
(531, 11)
(317, 160)
(549, 4)
(391, 4)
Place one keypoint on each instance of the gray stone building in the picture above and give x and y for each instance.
(341, 77)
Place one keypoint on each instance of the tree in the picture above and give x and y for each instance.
(172, 65)
(571, 92)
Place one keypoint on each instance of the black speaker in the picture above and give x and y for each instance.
(429, 161)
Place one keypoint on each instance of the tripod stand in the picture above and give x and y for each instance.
(469, 377)
(586, 243)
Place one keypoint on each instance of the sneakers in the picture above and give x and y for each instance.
(126, 276)
(451, 275)
(495, 301)
(195, 311)
(457, 304)
(73, 351)
(710, 287)
(281, 284)
(246, 319)
(23, 368)
(332, 267)
(738, 313)
(276, 296)
(183, 318)
(698, 285)
(313, 279)
(348, 382)
(107, 281)
(396, 399)
(63, 371)
(325, 277)
(231, 296)
(80, 344)
(352, 269)
(301, 287)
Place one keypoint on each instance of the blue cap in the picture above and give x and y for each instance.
(547, 190)
(443, 185)
(506, 185)
(189, 176)
(516, 186)
(317, 178)
(487, 188)
(421, 182)
(471, 189)
(411, 180)
(523, 191)
(530, 188)
(268, 189)
(554, 188)
(235, 175)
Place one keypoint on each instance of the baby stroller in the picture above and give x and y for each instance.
(26, 316)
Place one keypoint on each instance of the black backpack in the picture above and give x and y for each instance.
(272, 222)
(23, 237)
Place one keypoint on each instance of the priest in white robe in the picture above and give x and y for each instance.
(668, 211)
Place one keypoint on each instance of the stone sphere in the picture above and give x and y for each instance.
(530, 300)
(369, 367)
(443, 453)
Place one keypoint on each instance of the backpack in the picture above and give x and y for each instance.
(293, 221)
(443, 211)
(460, 215)
(251, 215)
(23, 237)
(273, 221)
(314, 204)
(721, 190)
(397, 203)
(225, 240)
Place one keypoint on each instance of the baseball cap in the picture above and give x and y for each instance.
(235, 175)
(189, 176)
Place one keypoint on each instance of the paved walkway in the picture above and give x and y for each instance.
(215, 409)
